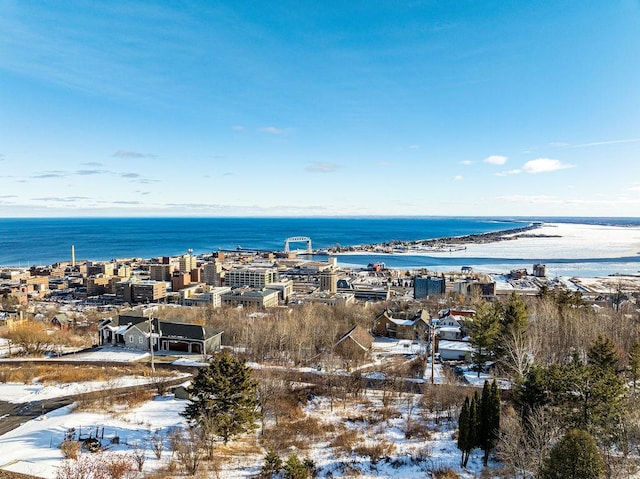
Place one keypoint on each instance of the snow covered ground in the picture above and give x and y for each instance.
(20, 393)
(33, 448)
(106, 353)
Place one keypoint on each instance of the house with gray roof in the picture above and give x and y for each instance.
(137, 332)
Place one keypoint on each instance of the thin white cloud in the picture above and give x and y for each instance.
(89, 172)
(132, 154)
(531, 199)
(544, 165)
(322, 167)
(414, 147)
(593, 202)
(466, 162)
(608, 142)
(516, 171)
(496, 160)
(457, 178)
(272, 130)
(238, 128)
(383, 164)
(635, 187)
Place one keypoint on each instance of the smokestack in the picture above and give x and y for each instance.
(73, 256)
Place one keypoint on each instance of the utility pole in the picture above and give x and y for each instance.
(433, 351)
(153, 366)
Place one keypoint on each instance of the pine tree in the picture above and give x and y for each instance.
(489, 419)
(224, 399)
(272, 465)
(514, 315)
(602, 354)
(575, 456)
(464, 430)
(474, 421)
(294, 468)
(514, 323)
(531, 392)
(483, 333)
(634, 363)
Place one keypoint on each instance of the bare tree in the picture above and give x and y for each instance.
(188, 449)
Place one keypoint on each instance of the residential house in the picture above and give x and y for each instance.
(136, 332)
(61, 321)
(355, 344)
(401, 325)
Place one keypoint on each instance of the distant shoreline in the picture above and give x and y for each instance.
(444, 244)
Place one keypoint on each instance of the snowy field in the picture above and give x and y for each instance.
(111, 354)
(21, 393)
(33, 448)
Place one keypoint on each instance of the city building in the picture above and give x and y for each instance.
(428, 286)
(160, 272)
(134, 292)
(187, 262)
(330, 299)
(329, 281)
(251, 298)
(539, 270)
(284, 288)
(98, 285)
(212, 273)
(180, 280)
(252, 277)
(203, 295)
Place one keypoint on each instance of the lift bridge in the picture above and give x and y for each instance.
(298, 239)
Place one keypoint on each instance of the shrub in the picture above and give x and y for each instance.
(416, 430)
(346, 441)
(272, 464)
(70, 449)
(376, 451)
(444, 473)
(296, 469)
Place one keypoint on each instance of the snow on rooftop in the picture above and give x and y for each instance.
(455, 345)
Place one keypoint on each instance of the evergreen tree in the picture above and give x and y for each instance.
(531, 392)
(591, 393)
(294, 468)
(489, 419)
(575, 456)
(514, 322)
(223, 400)
(483, 333)
(514, 315)
(602, 354)
(474, 421)
(634, 362)
(272, 465)
(464, 433)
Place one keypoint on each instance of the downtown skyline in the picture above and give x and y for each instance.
(332, 109)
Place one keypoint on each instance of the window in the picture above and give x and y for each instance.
(130, 339)
(140, 339)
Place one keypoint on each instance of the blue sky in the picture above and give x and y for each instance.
(300, 108)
